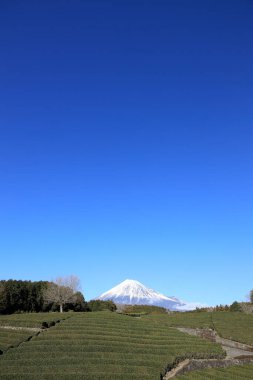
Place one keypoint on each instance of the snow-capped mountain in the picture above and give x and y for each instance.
(131, 292)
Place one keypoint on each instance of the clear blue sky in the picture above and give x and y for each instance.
(126, 144)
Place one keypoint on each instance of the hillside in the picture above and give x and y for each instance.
(102, 345)
(110, 346)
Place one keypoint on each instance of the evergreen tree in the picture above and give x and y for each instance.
(235, 307)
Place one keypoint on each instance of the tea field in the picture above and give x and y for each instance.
(33, 320)
(244, 372)
(102, 345)
(17, 328)
(235, 326)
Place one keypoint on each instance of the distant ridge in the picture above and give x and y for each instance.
(132, 292)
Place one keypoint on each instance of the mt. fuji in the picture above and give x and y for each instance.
(131, 292)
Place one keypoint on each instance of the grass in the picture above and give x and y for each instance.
(103, 345)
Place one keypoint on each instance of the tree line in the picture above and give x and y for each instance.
(235, 306)
(62, 294)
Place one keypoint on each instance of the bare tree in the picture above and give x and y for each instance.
(62, 290)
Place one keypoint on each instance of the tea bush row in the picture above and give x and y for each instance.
(33, 320)
(103, 345)
(14, 329)
(235, 326)
(244, 372)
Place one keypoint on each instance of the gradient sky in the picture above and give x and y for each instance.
(126, 144)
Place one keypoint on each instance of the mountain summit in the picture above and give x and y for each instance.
(132, 292)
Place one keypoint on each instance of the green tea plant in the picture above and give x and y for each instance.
(243, 372)
(104, 345)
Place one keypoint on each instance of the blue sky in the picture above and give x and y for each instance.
(126, 145)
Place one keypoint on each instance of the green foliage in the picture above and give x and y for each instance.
(11, 338)
(242, 372)
(78, 305)
(144, 309)
(32, 320)
(186, 319)
(98, 305)
(235, 307)
(235, 326)
(230, 325)
(21, 296)
(213, 308)
(17, 328)
(104, 345)
(110, 346)
(27, 296)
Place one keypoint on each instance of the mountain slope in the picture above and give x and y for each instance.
(131, 292)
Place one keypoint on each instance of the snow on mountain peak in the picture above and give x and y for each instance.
(132, 292)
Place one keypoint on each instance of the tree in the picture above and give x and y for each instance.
(78, 305)
(235, 306)
(2, 297)
(21, 296)
(62, 290)
(251, 296)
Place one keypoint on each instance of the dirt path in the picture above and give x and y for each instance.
(236, 354)
(34, 329)
(232, 348)
(189, 365)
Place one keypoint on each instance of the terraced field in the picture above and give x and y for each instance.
(18, 328)
(244, 372)
(33, 320)
(11, 338)
(103, 345)
(193, 320)
(235, 326)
